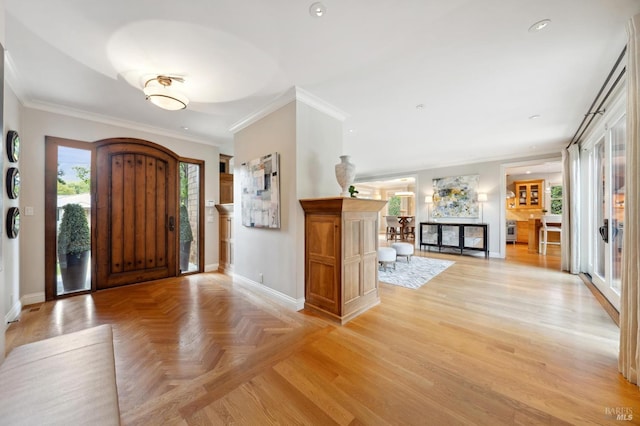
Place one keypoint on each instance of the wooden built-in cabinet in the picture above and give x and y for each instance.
(225, 229)
(529, 194)
(341, 255)
(226, 180)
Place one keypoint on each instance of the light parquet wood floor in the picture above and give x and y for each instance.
(486, 342)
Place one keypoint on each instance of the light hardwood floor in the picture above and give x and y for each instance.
(487, 341)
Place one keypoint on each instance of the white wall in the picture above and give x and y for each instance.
(2, 268)
(11, 247)
(268, 251)
(309, 143)
(36, 125)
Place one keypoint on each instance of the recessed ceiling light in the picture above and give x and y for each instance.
(420, 106)
(539, 26)
(528, 172)
(351, 131)
(317, 9)
(534, 117)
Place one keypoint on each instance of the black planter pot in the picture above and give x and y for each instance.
(74, 275)
(185, 252)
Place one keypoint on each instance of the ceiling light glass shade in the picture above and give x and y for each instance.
(317, 10)
(482, 197)
(539, 26)
(511, 194)
(160, 93)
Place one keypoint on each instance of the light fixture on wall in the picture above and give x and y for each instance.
(317, 10)
(482, 198)
(160, 92)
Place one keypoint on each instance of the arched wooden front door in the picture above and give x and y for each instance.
(136, 220)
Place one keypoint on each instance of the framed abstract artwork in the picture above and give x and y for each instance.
(456, 196)
(260, 192)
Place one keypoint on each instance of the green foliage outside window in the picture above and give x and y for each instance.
(394, 206)
(556, 199)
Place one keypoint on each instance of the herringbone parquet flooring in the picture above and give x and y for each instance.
(485, 342)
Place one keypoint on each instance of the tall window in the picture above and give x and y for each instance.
(394, 206)
(556, 199)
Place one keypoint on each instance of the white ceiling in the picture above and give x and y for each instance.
(472, 64)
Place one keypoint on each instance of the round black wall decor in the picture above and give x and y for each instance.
(13, 222)
(13, 182)
(13, 146)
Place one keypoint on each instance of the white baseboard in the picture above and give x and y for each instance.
(288, 301)
(13, 313)
(212, 267)
(32, 298)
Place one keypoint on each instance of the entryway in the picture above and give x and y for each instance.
(125, 210)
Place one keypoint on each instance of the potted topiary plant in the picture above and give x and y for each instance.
(74, 247)
(186, 237)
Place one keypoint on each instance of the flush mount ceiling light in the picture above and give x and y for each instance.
(317, 10)
(539, 26)
(160, 93)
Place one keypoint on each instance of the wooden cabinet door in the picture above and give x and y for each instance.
(323, 265)
(226, 188)
(137, 187)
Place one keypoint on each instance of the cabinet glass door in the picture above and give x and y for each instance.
(474, 237)
(534, 201)
(451, 235)
(429, 234)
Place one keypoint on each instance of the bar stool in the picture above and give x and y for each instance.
(550, 223)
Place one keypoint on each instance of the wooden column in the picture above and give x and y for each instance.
(341, 256)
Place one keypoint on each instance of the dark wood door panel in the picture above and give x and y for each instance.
(136, 213)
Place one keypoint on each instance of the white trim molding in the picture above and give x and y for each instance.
(32, 298)
(293, 94)
(13, 313)
(283, 299)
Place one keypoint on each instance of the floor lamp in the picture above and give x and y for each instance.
(482, 197)
(428, 200)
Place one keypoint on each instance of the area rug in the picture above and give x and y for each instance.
(413, 274)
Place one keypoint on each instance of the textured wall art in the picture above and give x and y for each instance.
(260, 186)
(456, 196)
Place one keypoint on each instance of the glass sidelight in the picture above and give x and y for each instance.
(189, 220)
(73, 220)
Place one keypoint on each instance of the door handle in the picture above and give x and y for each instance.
(172, 223)
(604, 231)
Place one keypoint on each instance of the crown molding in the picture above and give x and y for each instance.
(293, 94)
(112, 121)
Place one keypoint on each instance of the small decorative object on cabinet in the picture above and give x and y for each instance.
(13, 146)
(13, 222)
(225, 223)
(345, 174)
(529, 194)
(458, 236)
(341, 255)
(13, 183)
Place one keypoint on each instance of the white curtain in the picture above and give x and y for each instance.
(570, 248)
(629, 361)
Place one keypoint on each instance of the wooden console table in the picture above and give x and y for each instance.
(341, 256)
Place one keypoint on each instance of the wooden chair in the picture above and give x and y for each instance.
(393, 227)
(409, 229)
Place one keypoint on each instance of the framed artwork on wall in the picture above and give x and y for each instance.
(13, 146)
(13, 222)
(456, 196)
(13, 182)
(260, 192)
